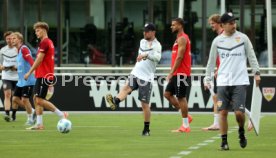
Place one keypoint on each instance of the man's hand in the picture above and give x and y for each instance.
(141, 57)
(168, 78)
(13, 68)
(26, 76)
(2, 67)
(207, 83)
(257, 79)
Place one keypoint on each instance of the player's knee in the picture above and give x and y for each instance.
(39, 101)
(7, 94)
(15, 99)
(167, 95)
(25, 101)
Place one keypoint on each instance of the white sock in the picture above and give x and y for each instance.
(30, 117)
(185, 122)
(59, 113)
(216, 119)
(39, 120)
(33, 110)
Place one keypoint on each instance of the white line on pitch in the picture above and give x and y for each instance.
(184, 153)
(193, 147)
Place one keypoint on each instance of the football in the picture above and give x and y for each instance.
(64, 126)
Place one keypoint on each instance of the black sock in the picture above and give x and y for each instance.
(146, 126)
(241, 132)
(14, 113)
(224, 138)
(117, 100)
(7, 112)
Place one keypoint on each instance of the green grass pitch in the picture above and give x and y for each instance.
(118, 135)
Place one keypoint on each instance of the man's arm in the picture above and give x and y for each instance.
(249, 50)
(27, 56)
(180, 54)
(1, 59)
(155, 54)
(252, 60)
(37, 62)
(211, 64)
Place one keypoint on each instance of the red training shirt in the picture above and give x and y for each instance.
(185, 66)
(46, 68)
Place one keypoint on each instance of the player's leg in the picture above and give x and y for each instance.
(26, 94)
(215, 125)
(223, 104)
(147, 115)
(40, 91)
(180, 85)
(7, 99)
(144, 95)
(40, 98)
(13, 85)
(16, 101)
(239, 99)
(130, 85)
(223, 129)
(216, 113)
(169, 94)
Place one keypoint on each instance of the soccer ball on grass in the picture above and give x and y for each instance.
(64, 126)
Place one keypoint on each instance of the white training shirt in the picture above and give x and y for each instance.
(233, 52)
(8, 58)
(145, 69)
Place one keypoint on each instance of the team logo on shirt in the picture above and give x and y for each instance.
(268, 93)
(238, 39)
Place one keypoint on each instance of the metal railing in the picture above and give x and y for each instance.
(126, 70)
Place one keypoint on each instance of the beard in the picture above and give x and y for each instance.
(147, 38)
(174, 31)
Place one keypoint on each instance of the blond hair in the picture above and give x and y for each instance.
(215, 18)
(42, 25)
(18, 35)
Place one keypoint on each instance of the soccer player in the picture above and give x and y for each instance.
(8, 66)
(44, 74)
(24, 88)
(142, 75)
(179, 75)
(233, 49)
(214, 22)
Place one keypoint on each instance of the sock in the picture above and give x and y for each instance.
(241, 132)
(224, 137)
(186, 122)
(59, 113)
(216, 119)
(39, 120)
(14, 114)
(117, 100)
(33, 110)
(29, 117)
(7, 112)
(146, 126)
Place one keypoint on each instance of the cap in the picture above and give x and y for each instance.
(227, 17)
(149, 27)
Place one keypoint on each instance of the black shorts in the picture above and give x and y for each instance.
(41, 87)
(8, 84)
(25, 91)
(144, 88)
(232, 98)
(178, 85)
